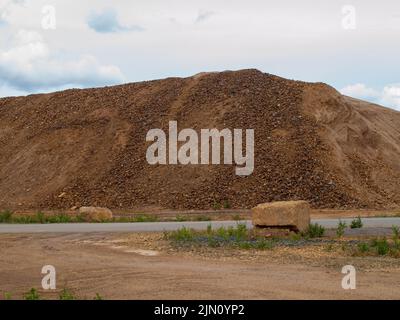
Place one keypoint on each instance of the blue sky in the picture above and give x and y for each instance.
(57, 44)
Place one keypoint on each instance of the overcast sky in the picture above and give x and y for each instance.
(56, 44)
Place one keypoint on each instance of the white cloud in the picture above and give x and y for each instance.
(389, 96)
(204, 15)
(360, 90)
(106, 21)
(5, 8)
(30, 65)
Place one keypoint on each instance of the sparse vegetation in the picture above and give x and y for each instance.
(98, 297)
(341, 228)
(381, 246)
(314, 231)
(181, 218)
(42, 218)
(66, 295)
(7, 296)
(203, 218)
(183, 234)
(5, 216)
(237, 217)
(363, 247)
(144, 218)
(356, 223)
(377, 247)
(329, 247)
(226, 204)
(236, 237)
(216, 205)
(396, 232)
(32, 295)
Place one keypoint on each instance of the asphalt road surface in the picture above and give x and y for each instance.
(369, 223)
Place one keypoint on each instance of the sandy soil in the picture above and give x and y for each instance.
(143, 266)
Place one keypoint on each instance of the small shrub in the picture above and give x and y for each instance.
(212, 242)
(363, 247)
(263, 244)
(356, 223)
(340, 228)
(295, 236)
(381, 246)
(40, 217)
(7, 296)
(216, 205)
(5, 216)
(239, 233)
(98, 297)
(32, 295)
(226, 204)
(314, 231)
(183, 234)
(396, 232)
(223, 233)
(66, 295)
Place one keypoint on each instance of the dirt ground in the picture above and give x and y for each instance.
(145, 266)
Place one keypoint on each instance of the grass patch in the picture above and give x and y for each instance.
(181, 218)
(6, 216)
(234, 237)
(41, 218)
(32, 295)
(66, 295)
(314, 231)
(183, 234)
(144, 218)
(377, 247)
(7, 296)
(381, 246)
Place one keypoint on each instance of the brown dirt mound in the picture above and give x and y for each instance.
(87, 147)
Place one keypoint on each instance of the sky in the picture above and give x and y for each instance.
(49, 45)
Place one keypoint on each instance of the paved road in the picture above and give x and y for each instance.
(166, 226)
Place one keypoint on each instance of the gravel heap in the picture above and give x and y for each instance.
(87, 147)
